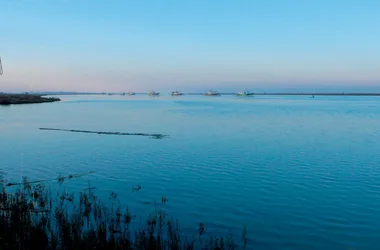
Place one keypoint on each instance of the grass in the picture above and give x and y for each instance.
(8, 99)
(32, 217)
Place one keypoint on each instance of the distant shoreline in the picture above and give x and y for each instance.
(10, 99)
(278, 94)
(38, 96)
(303, 94)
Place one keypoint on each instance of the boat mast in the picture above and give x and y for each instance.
(1, 67)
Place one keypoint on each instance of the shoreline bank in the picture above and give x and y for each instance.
(9, 99)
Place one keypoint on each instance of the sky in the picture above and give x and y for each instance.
(189, 45)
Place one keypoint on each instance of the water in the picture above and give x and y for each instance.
(300, 173)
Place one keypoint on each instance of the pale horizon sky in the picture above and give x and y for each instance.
(54, 45)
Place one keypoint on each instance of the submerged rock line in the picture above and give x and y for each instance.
(153, 136)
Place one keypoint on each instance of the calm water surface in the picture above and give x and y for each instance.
(300, 173)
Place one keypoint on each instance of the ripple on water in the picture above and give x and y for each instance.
(298, 174)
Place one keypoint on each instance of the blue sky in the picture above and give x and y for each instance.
(94, 45)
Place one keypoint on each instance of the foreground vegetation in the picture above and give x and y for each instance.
(8, 99)
(31, 217)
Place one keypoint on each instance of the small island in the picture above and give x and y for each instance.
(8, 99)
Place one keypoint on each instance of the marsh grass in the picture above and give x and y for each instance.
(32, 217)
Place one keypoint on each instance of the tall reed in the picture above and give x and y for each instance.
(32, 217)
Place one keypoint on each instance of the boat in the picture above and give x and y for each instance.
(176, 93)
(212, 93)
(123, 93)
(153, 93)
(245, 93)
(131, 93)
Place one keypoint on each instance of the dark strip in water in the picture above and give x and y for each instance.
(152, 136)
(60, 179)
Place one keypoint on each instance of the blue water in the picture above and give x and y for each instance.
(299, 173)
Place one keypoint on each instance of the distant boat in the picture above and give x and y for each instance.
(312, 96)
(131, 93)
(176, 93)
(123, 93)
(110, 94)
(153, 93)
(211, 93)
(245, 93)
